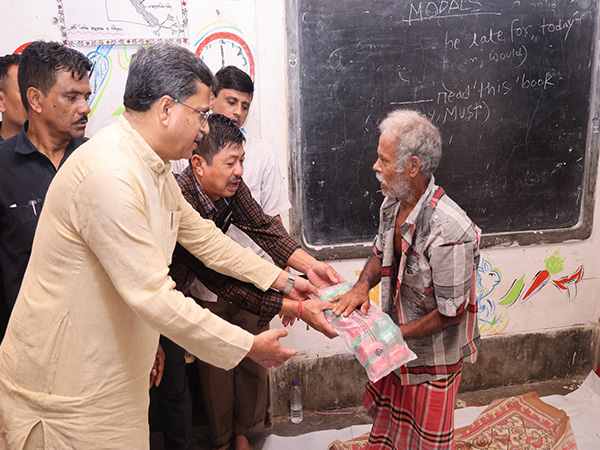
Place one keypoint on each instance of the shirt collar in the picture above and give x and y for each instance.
(204, 202)
(25, 146)
(412, 217)
(143, 150)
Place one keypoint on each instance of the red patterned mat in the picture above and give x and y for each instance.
(523, 422)
(358, 443)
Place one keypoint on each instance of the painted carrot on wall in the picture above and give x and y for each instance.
(539, 281)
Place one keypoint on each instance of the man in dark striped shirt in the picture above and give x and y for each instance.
(213, 185)
(425, 255)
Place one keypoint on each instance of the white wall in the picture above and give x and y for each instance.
(262, 25)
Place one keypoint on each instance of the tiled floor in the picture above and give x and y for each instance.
(353, 416)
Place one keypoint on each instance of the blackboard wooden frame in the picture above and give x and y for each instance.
(581, 230)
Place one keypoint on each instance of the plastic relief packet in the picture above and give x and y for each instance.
(374, 338)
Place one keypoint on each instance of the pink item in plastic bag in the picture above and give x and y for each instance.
(374, 338)
(397, 354)
(369, 350)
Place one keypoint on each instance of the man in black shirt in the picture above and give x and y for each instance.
(54, 84)
(11, 107)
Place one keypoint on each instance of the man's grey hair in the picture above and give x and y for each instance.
(163, 69)
(414, 135)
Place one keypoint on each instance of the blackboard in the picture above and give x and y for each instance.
(508, 82)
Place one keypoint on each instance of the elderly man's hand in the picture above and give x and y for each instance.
(312, 314)
(267, 351)
(348, 302)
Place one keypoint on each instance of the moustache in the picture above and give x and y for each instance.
(83, 119)
(380, 179)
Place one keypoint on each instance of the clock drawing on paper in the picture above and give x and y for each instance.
(222, 48)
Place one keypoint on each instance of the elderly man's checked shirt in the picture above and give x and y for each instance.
(437, 270)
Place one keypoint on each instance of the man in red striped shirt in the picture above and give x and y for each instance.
(425, 256)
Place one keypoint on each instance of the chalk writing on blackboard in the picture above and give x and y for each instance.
(509, 83)
(122, 22)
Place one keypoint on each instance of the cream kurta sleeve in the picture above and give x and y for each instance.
(219, 252)
(118, 233)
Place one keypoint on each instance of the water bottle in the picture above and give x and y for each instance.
(296, 403)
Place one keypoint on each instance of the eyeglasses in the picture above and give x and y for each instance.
(203, 114)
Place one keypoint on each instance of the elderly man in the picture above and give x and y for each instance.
(11, 106)
(425, 256)
(82, 338)
(54, 87)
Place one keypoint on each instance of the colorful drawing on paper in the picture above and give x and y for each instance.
(222, 45)
(122, 22)
(102, 70)
(125, 59)
(488, 279)
(100, 74)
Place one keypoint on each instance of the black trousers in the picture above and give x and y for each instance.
(174, 399)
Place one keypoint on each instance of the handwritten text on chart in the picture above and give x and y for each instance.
(78, 27)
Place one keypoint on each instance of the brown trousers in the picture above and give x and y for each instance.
(235, 400)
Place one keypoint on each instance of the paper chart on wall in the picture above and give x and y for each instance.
(122, 22)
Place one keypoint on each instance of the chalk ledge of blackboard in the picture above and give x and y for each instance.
(343, 251)
(536, 237)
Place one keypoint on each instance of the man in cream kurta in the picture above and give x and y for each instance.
(82, 339)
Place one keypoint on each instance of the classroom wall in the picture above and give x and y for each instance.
(562, 278)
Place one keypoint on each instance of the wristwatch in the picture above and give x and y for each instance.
(288, 286)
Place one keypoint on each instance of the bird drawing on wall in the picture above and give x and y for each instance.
(488, 277)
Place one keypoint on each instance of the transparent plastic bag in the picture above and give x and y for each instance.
(373, 338)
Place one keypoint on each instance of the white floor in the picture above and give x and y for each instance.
(582, 406)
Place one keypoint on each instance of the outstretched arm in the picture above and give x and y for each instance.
(311, 312)
(267, 350)
(321, 274)
(358, 296)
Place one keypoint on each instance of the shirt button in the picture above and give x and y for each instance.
(160, 165)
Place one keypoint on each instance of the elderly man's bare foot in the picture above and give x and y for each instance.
(241, 443)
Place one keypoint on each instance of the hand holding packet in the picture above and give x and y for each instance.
(373, 338)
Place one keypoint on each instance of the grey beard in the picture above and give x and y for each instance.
(400, 190)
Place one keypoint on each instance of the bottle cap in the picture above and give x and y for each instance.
(295, 383)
